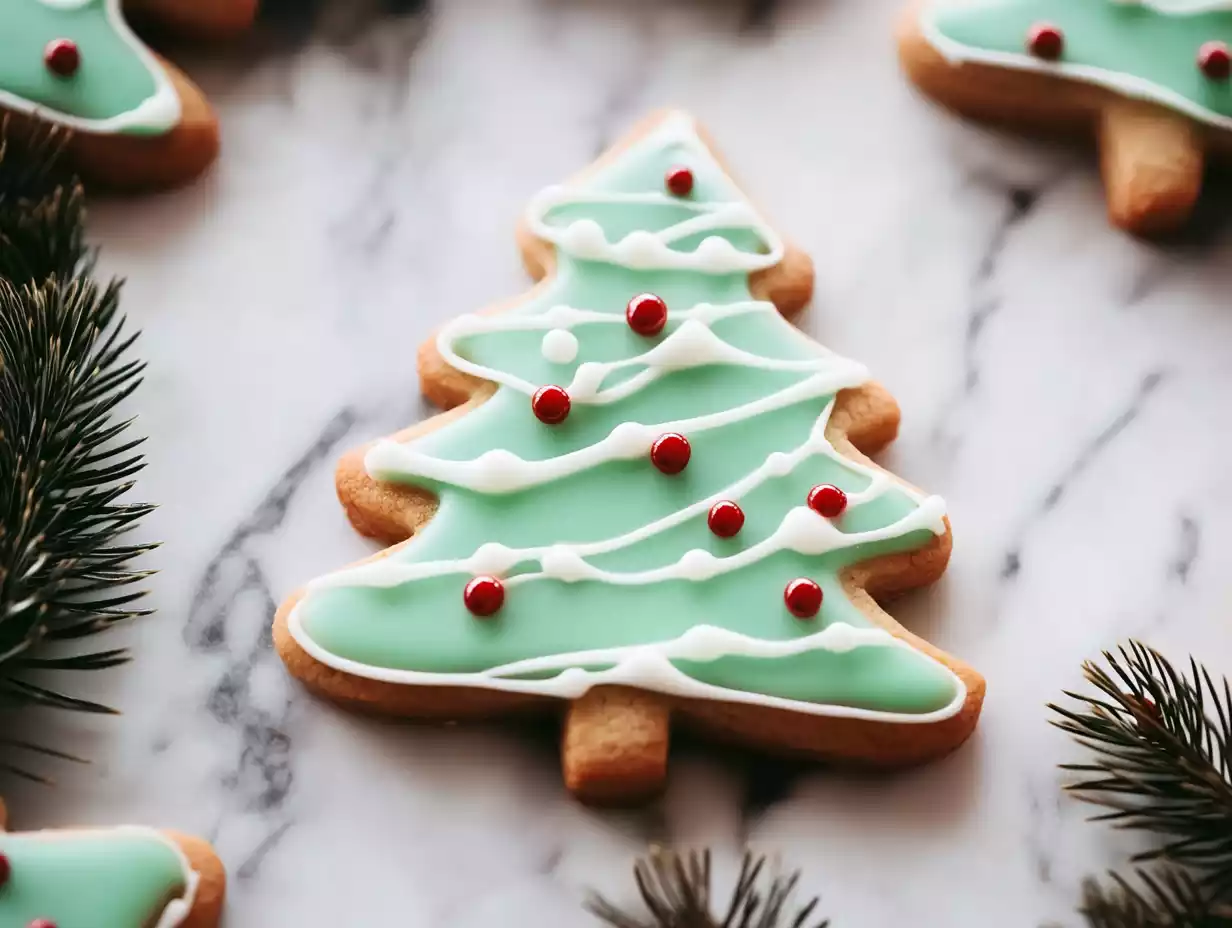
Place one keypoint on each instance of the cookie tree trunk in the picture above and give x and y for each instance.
(1152, 161)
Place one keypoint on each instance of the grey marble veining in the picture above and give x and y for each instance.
(1063, 386)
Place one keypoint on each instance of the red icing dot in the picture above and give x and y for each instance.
(670, 452)
(803, 598)
(725, 519)
(827, 500)
(62, 57)
(5, 869)
(1046, 41)
(646, 314)
(1215, 61)
(42, 923)
(550, 404)
(679, 181)
(484, 596)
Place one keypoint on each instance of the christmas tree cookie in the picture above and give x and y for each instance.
(1149, 78)
(126, 877)
(651, 504)
(136, 121)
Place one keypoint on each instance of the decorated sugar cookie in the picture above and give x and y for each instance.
(136, 121)
(651, 505)
(109, 878)
(1150, 79)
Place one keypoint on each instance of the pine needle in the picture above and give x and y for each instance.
(675, 890)
(66, 463)
(1162, 746)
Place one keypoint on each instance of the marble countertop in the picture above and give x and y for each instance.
(1063, 386)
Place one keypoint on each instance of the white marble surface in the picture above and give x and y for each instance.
(1065, 387)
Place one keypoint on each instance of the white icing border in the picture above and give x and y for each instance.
(176, 910)
(159, 112)
(692, 343)
(1127, 85)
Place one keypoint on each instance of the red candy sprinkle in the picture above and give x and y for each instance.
(42, 923)
(1045, 41)
(484, 596)
(679, 181)
(5, 869)
(1215, 61)
(827, 500)
(670, 452)
(803, 598)
(550, 404)
(646, 314)
(725, 519)
(62, 57)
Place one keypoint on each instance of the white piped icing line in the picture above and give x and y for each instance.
(691, 343)
(801, 530)
(159, 112)
(1128, 85)
(649, 667)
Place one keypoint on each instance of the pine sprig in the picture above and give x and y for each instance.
(1162, 741)
(1169, 899)
(675, 889)
(66, 461)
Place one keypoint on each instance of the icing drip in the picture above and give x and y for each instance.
(726, 368)
(1144, 50)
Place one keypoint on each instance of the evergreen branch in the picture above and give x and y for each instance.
(1170, 899)
(1162, 741)
(67, 461)
(676, 892)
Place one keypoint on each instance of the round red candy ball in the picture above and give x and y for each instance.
(62, 57)
(646, 314)
(725, 518)
(551, 404)
(42, 923)
(484, 596)
(1045, 41)
(670, 452)
(1215, 61)
(827, 500)
(679, 181)
(5, 869)
(803, 598)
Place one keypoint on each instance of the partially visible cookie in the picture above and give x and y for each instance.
(1148, 79)
(126, 877)
(652, 507)
(200, 19)
(137, 122)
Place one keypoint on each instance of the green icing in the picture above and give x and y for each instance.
(102, 879)
(423, 626)
(1137, 50)
(114, 78)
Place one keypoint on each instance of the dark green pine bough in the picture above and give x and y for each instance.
(1161, 742)
(66, 461)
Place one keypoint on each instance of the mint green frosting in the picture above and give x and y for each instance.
(89, 879)
(1139, 51)
(112, 82)
(422, 625)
